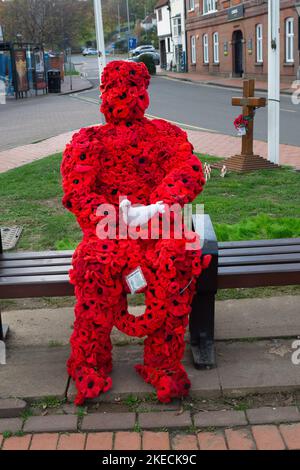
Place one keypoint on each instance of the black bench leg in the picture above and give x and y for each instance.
(202, 322)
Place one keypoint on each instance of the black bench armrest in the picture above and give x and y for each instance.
(203, 306)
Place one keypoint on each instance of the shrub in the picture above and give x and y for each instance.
(148, 60)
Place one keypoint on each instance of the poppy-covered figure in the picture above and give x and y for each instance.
(144, 161)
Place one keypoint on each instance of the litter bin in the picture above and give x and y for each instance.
(54, 82)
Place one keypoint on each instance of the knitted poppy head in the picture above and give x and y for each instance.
(124, 91)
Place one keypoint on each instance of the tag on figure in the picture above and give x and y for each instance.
(136, 280)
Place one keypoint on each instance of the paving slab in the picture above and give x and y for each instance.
(164, 419)
(34, 373)
(51, 423)
(11, 407)
(258, 318)
(268, 415)
(10, 425)
(256, 367)
(220, 418)
(108, 422)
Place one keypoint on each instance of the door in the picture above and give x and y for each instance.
(237, 43)
(163, 54)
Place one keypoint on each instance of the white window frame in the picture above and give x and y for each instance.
(193, 50)
(289, 40)
(159, 15)
(259, 43)
(209, 6)
(216, 47)
(205, 49)
(177, 26)
(191, 6)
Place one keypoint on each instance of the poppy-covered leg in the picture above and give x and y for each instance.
(99, 298)
(164, 349)
(90, 362)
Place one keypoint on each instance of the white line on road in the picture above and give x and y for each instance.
(288, 110)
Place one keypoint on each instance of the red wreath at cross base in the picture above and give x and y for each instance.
(147, 161)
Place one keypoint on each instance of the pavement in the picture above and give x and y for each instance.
(226, 82)
(254, 362)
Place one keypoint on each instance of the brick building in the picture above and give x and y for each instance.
(229, 37)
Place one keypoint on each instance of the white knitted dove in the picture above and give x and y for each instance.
(139, 215)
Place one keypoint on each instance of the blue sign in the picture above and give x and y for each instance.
(132, 43)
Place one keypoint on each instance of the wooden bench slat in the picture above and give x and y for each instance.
(265, 268)
(254, 243)
(259, 259)
(268, 250)
(258, 276)
(21, 287)
(32, 271)
(36, 255)
(27, 263)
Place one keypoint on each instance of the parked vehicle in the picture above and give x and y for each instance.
(154, 54)
(140, 49)
(89, 51)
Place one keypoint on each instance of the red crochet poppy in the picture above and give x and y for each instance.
(145, 161)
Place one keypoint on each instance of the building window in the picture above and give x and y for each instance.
(209, 6)
(177, 26)
(169, 45)
(289, 40)
(216, 47)
(193, 49)
(191, 5)
(159, 14)
(205, 49)
(259, 43)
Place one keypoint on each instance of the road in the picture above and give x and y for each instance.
(203, 106)
(199, 106)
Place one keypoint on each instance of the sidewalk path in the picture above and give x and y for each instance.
(263, 437)
(221, 81)
(211, 430)
(204, 142)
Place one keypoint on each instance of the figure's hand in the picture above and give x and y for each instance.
(140, 215)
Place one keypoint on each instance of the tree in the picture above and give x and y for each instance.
(55, 23)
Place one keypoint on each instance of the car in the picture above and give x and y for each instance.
(89, 51)
(140, 49)
(153, 54)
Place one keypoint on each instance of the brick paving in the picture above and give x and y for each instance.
(260, 437)
(204, 142)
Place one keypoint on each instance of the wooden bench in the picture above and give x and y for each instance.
(234, 264)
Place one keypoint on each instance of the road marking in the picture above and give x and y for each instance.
(182, 124)
(288, 110)
(83, 98)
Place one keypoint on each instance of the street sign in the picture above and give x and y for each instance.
(132, 43)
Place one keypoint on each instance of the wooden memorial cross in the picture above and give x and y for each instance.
(249, 103)
(247, 161)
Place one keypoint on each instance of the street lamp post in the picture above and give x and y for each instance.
(273, 80)
(99, 36)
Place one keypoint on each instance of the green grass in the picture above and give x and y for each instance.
(262, 204)
(31, 197)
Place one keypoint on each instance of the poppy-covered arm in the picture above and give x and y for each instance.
(79, 169)
(184, 178)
